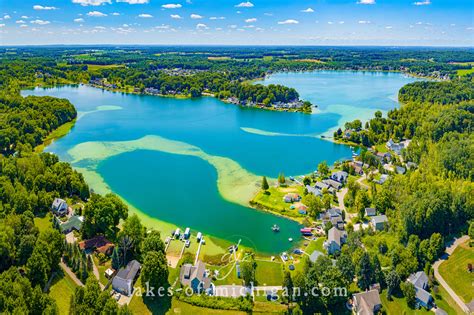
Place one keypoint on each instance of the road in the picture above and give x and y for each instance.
(95, 270)
(440, 279)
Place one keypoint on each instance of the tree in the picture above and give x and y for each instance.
(153, 242)
(323, 169)
(115, 259)
(409, 292)
(247, 270)
(155, 270)
(288, 286)
(265, 185)
(135, 231)
(393, 282)
(314, 204)
(362, 201)
(281, 179)
(125, 244)
(364, 272)
(345, 265)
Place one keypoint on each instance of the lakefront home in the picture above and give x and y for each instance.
(340, 176)
(123, 281)
(288, 198)
(196, 277)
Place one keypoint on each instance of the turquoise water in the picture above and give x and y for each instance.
(182, 189)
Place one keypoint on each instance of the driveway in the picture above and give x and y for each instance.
(449, 251)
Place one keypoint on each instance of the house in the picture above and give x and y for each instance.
(379, 222)
(367, 303)
(73, 223)
(421, 283)
(332, 184)
(340, 176)
(400, 169)
(383, 156)
(59, 207)
(291, 197)
(313, 190)
(411, 165)
(357, 166)
(336, 238)
(370, 212)
(125, 278)
(334, 216)
(196, 277)
(320, 186)
(397, 147)
(383, 179)
(302, 209)
(98, 243)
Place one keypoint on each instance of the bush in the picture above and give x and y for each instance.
(244, 304)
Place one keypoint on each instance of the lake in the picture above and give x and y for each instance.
(196, 162)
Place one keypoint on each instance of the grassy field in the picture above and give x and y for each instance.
(462, 72)
(272, 200)
(372, 243)
(398, 306)
(454, 271)
(102, 268)
(56, 134)
(315, 245)
(269, 273)
(444, 301)
(61, 291)
(99, 67)
(44, 223)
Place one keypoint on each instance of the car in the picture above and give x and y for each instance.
(291, 267)
(117, 297)
(187, 243)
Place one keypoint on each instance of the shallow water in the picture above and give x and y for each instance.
(195, 162)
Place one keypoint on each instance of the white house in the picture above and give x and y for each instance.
(59, 207)
(336, 238)
(123, 281)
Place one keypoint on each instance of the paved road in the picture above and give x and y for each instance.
(440, 279)
(71, 274)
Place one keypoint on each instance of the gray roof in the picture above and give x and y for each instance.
(321, 185)
(189, 272)
(379, 219)
(313, 190)
(129, 272)
(335, 235)
(367, 302)
(332, 183)
(314, 256)
(370, 211)
(423, 296)
(419, 279)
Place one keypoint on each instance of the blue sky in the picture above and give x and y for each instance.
(237, 22)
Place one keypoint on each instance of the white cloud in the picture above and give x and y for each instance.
(290, 21)
(96, 14)
(389, 27)
(91, 2)
(176, 16)
(195, 16)
(79, 20)
(6, 17)
(40, 22)
(134, 1)
(217, 18)
(40, 7)
(162, 27)
(364, 22)
(268, 14)
(341, 22)
(145, 16)
(23, 25)
(24, 17)
(201, 26)
(247, 4)
(424, 2)
(171, 6)
(100, 27)
(366, 2)
(2, 25)
(20, 22)
(330, 23)
(252, 20)
(115, 14)
(308, 10)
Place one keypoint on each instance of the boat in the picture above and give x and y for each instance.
(306, 231)
(275, 228)
(290, 239)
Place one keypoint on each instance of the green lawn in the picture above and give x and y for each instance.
(60, 132)
(454, 271)
(272, 200)
(269, 273)
(398, 305)
(44, 223)
(444, 301)
(102, 268)
(99, 67)
(462, 72)
(372, 243)
(315, 245)
(61, 291)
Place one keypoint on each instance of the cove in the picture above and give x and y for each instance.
(196, 162)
